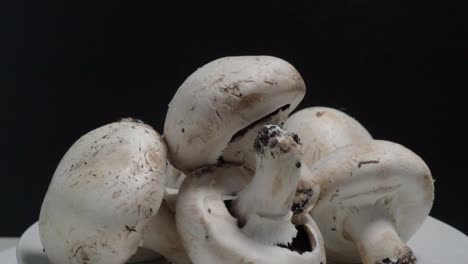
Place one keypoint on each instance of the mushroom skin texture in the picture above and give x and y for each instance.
(374, 197)
(211, 234)
(174, 180)
(219, 109)
(321, 130)
(162, 237)
(104, 192)
(174, 177)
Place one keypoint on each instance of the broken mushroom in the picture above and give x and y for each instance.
(103, 194)
(374, 196)
(322, 130)
(257, 226)
(216, 113)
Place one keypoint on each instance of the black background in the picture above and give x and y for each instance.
(399, 67)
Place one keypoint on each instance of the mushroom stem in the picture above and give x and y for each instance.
(263, 208)
(378, 242)
(162, 237)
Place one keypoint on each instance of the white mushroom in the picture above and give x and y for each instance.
(174, 177)
(104, 192)
(174, 180)
(162, 237)
(373, 197)
(321, 130)
(217, 112)
(324, 129)
(263, 207)
(207, 224)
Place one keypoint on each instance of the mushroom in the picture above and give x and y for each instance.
(322, 130)
(216, 113)
(257, 224)
(264, 205)
(174, 180)
(104, 193)
(373, 197)
(162, 237)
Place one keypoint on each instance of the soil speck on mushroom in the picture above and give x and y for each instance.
(367, 162)
(302, 200)
(320, 113)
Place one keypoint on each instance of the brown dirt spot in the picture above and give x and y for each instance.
(320, 113)
(153, 158)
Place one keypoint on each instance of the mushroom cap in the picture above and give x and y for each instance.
(382, 177)
(321, 130)
(324, 129)
(219, 102)
(211, 235)
(105, 190)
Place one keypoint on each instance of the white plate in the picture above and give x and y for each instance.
(8, 256)
(435, 243)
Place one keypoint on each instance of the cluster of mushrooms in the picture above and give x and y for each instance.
(236, 179)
